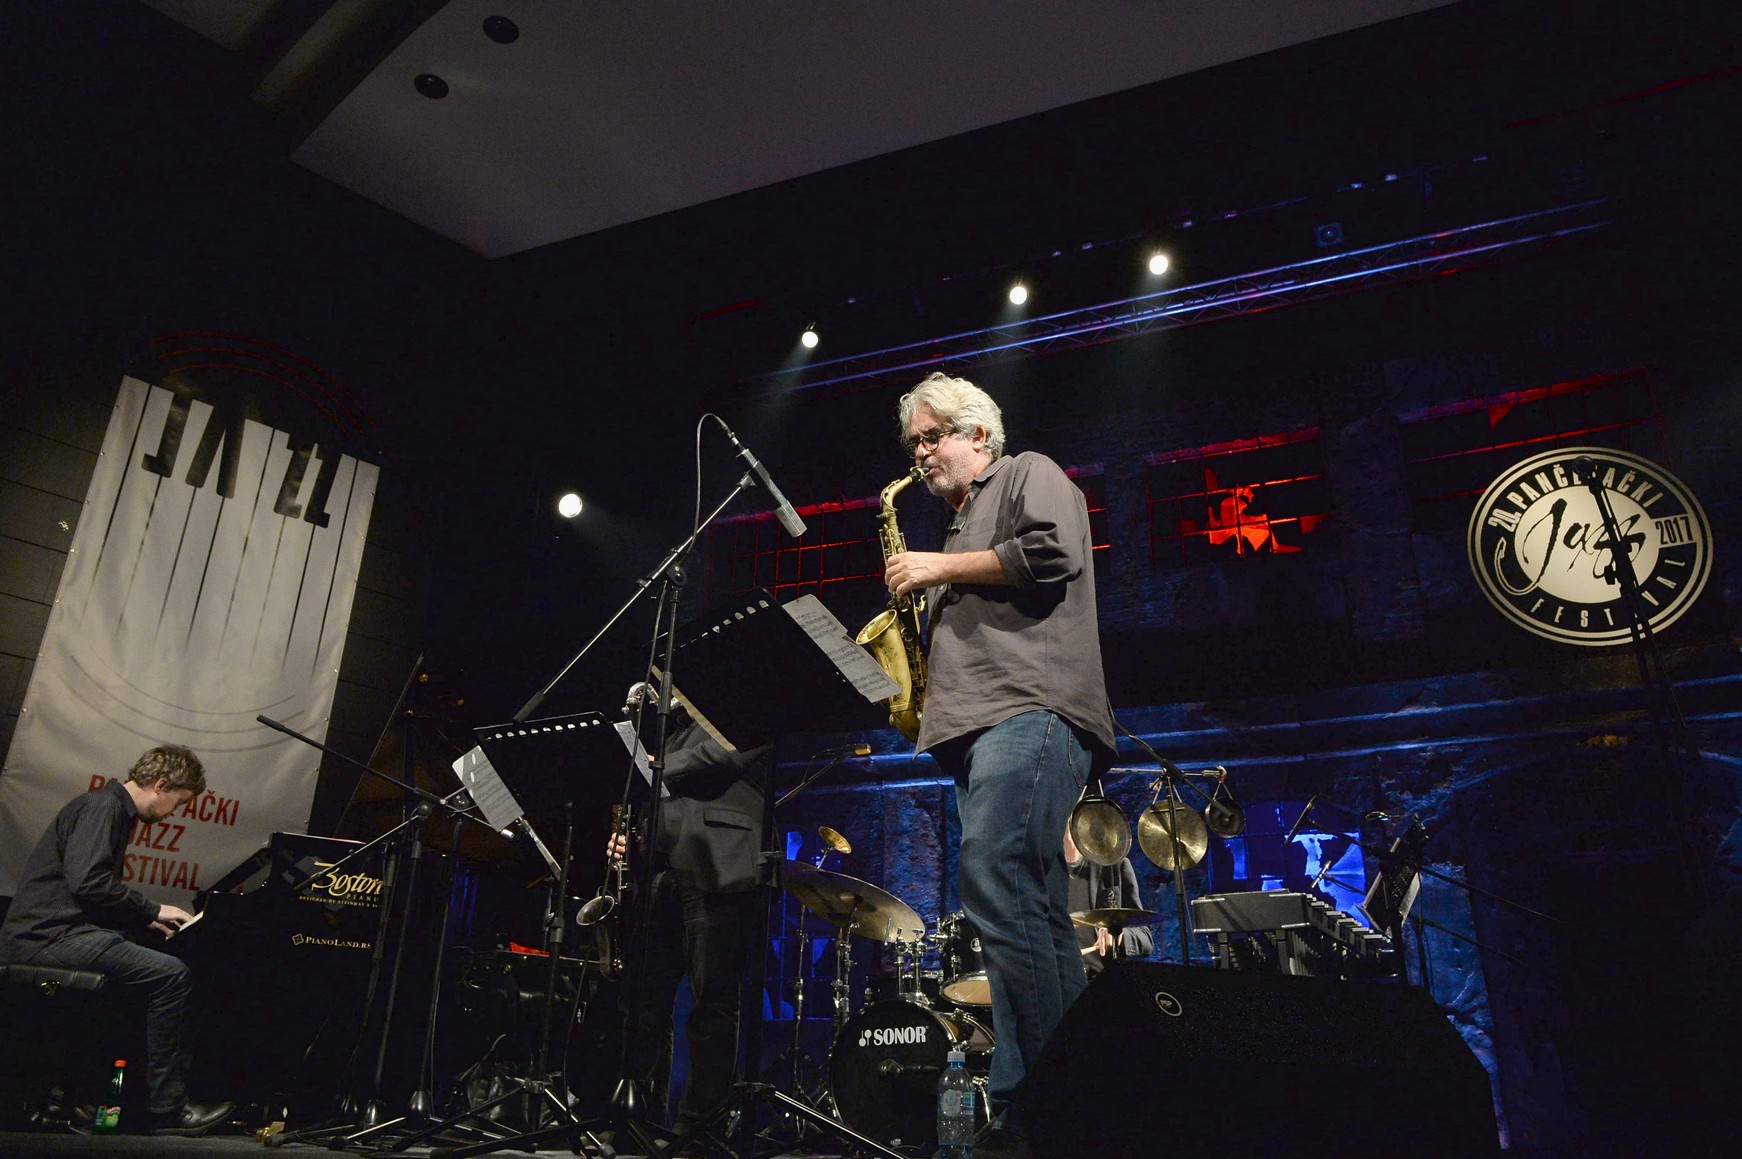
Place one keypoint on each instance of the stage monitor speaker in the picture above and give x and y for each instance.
(1170, 1060)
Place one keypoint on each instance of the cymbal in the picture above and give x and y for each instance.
(1224, 818)
(1099, 830)
(1156, 829)
(1115, 918)
(858, 907)
(833, 840)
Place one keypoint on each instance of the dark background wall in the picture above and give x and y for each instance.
(147, 196)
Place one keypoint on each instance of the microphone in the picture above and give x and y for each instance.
(1301, 820)
(783, 509)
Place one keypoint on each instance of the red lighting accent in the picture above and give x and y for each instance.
(1650, 91)
(323, 390)
(722, 311)
(1452, 452)
(1261, 514)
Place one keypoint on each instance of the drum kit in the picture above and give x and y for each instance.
(885, 1058)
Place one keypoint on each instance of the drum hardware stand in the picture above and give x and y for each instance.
(369, 1118)
(1169, 781)
(736, 1114)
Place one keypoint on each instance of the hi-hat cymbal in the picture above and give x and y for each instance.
(1115, 918)
(834, 840)
(855, 906)
(1157, 828)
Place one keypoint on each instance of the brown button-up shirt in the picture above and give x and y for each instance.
(999, 651)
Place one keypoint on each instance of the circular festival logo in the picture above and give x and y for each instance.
(1541, 555)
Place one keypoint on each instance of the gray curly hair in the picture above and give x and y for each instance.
(958, 402)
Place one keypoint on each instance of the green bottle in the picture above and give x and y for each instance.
(109, 1113)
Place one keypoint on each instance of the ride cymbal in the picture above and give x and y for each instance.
(858, 907)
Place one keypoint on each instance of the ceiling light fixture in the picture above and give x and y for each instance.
(1018, 294)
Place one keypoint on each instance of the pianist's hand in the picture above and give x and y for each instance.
(170, 919)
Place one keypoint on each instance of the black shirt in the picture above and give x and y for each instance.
(71, 883)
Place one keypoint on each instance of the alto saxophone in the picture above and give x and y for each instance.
(893, 636)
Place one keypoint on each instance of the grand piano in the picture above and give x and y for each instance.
(281, 958)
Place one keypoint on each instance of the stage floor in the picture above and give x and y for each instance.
(31, 1145)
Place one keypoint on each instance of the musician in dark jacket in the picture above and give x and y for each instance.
(73, 909)
(1105, 887)
(704, 906)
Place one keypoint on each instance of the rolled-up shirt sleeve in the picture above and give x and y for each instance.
(1047, 516)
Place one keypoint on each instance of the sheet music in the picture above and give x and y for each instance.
(632, 743)
(854, 662)
(479, 777)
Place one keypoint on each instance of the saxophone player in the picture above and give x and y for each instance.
(704, 902)
(1016, 705)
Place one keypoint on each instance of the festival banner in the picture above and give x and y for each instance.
(211, 580)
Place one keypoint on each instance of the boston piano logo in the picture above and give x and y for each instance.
(1542, 556)
(346, 888)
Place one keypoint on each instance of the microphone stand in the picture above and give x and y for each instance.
(1667, 725)
(626, 1101)
(369, 1120)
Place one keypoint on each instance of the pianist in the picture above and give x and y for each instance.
(73, 910)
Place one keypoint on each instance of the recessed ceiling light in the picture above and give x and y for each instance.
(431, 85)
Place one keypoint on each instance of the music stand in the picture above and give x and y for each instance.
(757, 672)
(761, 670)
(536, 760)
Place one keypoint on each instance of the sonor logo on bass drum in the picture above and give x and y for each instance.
(1542, 556)
(892, 1036)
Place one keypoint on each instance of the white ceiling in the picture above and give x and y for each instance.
(605, 113)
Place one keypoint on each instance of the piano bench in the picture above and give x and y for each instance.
(52, 1015)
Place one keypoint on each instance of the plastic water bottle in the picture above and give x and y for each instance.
(956, 1109)
(109, 1113)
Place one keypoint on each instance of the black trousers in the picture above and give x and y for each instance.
(704, 937)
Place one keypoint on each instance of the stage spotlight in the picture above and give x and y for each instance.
(569, 505)
(809, 338)
(1018, 294)
(1158, 263)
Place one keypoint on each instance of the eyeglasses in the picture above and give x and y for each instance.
(929, 439)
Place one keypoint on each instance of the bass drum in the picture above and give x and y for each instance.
(884, 1067)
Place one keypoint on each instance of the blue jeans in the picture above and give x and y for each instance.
(1016, 784)
(162, 981)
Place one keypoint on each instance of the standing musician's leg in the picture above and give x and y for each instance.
(1022, 778)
